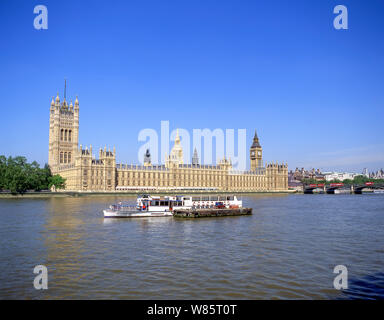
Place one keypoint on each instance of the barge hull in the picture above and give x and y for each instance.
(205, 213)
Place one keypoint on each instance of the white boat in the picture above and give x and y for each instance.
(146, 206)
(156, 206)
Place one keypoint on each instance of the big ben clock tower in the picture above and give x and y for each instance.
(256, 153)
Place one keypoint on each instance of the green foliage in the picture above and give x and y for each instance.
(57, 181)
(18, 176)
(363, 179)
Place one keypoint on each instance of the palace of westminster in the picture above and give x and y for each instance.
(83, 172)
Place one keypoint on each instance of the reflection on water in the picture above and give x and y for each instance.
(286, 250)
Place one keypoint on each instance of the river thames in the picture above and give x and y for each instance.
(287, 249)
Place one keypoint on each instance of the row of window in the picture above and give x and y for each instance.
(96, 173)
(175, 176)
(97, 182)
(65, 135)
(213, 198)
(65, 157)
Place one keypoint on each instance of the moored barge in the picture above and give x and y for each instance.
(204, 213)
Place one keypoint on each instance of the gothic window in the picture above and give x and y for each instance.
(61, 134)
(61, 157)
(65, 157)
(65, 135)
(69, 157)
(69, 135)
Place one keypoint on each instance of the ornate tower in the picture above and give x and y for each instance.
(147, 158)
(176, 156)
(195, 158)
(256, 154)
(63, 133)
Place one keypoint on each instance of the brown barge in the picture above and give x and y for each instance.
(211, 212)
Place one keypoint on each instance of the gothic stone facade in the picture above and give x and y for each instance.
(83, 172)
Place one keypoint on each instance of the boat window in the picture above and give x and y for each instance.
(222, 198)
(195, 198)
(205, 199)
(230, 197)
(213, 198)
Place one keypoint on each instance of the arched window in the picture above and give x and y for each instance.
(65, 157)
(65, 135)
(69, 157)
(61, 157)
(69, 135)
(61, 134)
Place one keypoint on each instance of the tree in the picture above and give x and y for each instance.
(18, 176)
(57, 181)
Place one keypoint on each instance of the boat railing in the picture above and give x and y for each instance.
(119, 207)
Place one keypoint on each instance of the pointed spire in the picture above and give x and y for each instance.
(255, 137)
(256, 143)
(52, 102)
(65, 89)
(57, 98)
(177, 139)
(195, 158)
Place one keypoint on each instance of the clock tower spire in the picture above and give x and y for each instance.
(256, 153)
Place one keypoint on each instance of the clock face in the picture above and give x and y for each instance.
(259, 153)
(253, 153)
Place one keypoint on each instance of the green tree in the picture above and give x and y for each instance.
(18, 176)
(57, 181)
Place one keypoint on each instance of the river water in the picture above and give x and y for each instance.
(287, 249)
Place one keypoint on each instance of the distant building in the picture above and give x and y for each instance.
(293, 182)
(301, 174)
(329, 176)
(377, 175)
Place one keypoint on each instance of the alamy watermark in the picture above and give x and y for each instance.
(341, 20)
(341, 280)
(41, 20)
(41, 280)
(224, 144)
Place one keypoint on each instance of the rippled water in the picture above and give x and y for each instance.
(286, 250)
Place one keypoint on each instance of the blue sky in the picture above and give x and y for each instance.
(314, 94)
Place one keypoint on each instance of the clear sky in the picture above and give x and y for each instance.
(314, 94)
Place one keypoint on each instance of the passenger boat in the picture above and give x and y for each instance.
(156, 206)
